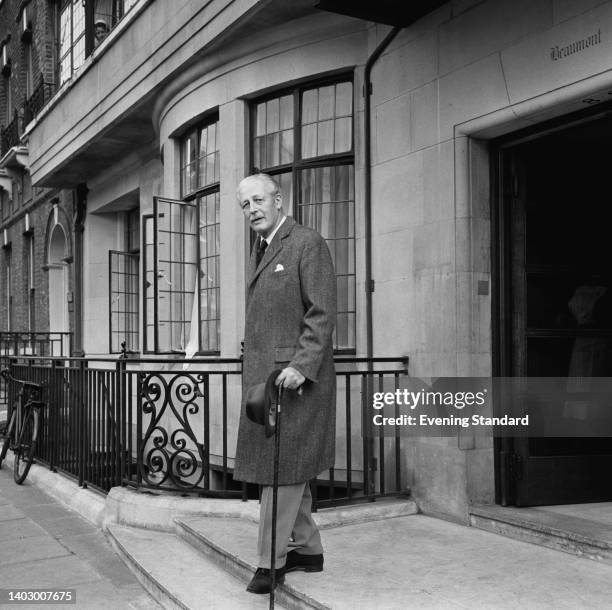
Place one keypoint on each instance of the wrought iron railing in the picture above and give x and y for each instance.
(37, 101)
(9, 136)
(29, 344)
(171, 426)
(26, 343)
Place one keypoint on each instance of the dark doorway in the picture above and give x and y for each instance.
(554, 300)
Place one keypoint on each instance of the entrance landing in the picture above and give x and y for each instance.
(402, 562)
(581, 529)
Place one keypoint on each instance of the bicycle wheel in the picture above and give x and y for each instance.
(8, 436)
(26, 447)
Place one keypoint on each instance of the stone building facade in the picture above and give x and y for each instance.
(413, 183)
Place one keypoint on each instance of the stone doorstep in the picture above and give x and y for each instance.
(191, 530)
(558, 532)
(197, 532)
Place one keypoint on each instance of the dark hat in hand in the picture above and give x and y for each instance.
(261, 403)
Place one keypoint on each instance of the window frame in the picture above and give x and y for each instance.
(299, 164)
(130, 332)
(128, 260)
(62, 5)
(193, 198)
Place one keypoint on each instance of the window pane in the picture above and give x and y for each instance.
(208, 166)
(322, 107)
(286, 153)
(286, 183)
(325, 138)
(123, 307)
(65, 31)
(189, 149)
(342, 135)
(259, 152)
(308, 186)
(342, 248)
(309, 141)
(342, 224)
(344, 99)
(310, 106)
(322, 209)
(286, 112)
(260, 119)
(341, 330)
(272, 150)
(326, 103)
(272, 116)
(209, 271)
(217, 167)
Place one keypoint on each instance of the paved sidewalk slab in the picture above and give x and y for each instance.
(44, 545)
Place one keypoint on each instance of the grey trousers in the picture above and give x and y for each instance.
(295, 528)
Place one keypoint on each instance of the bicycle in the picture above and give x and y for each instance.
(22, 431)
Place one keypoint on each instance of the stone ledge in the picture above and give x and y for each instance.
(126, 506)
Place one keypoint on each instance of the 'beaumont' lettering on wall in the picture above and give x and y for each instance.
(557, 52)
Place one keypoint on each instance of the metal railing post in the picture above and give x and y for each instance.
(82, 443)
(52, 416)
(120, 413)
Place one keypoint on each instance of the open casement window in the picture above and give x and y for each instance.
(304, 138)
(181, 276)
(71, 38)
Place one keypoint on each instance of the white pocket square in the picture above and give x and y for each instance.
(279, 267)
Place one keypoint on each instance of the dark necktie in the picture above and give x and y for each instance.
(263, 244)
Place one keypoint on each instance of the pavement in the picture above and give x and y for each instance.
(45, 545)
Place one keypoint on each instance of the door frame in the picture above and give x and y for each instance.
(506, 465)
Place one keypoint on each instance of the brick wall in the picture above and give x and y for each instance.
(41, 16)
(39, 205)
(41, 217)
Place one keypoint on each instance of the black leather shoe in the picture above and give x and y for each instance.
(307, 563)
(262, 581)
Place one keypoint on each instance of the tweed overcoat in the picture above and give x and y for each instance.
(290, 316)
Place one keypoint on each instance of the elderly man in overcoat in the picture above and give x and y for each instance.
(290, 316)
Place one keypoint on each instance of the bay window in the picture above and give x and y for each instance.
(304, 138)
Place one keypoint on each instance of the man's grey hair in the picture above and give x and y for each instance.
(273, 185)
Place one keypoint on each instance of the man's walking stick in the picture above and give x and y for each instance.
(277, 410)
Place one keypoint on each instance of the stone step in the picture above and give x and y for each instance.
(177, 575)
(582, 537)
(231, 543)
(383, 508)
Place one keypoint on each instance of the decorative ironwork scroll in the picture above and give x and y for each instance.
(170, 454)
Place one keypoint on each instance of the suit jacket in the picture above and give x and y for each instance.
(290, 316)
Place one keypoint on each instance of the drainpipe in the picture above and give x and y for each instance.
(367, 93)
